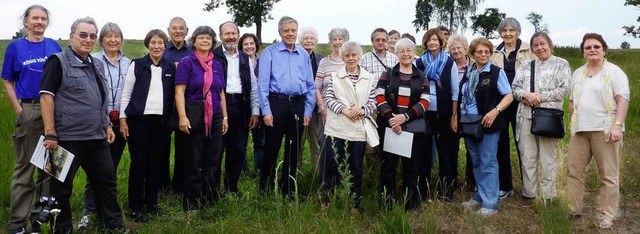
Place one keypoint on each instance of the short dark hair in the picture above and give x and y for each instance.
(377, 30)
(156, 32)
(200, 30)
(409, 36)
(393, 31)
(480, 41)
(255, 39)
(443, 28)
(429, 33)
(543, 35)
(25, 15)
(594, 36)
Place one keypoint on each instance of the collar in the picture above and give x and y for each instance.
(171, 45)
(342, 73)
(77, 57)
(226, 53)
(103, 55)
(374, 52)
(282, 47)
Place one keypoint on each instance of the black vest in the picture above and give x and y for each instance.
(245, 78)
(443, 88)
(391, 92)
(142, 73)
(487, 96)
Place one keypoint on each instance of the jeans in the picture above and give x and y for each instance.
(485, 168)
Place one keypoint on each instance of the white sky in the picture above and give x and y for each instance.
(568, 20)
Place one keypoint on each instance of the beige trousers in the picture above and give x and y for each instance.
(534, 149)
(582, 147)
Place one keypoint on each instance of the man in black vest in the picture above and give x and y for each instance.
(243, 105)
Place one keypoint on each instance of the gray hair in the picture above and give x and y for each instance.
(377, 30)
(86, 20)
(178, 18)
(110, 28)
(285, 20)
(228, 22)
(338, 32)
(404, 42)
(25, 15)
(306, 30)
(510, 21)
(203, 30)
(351, 46)
(458, 38)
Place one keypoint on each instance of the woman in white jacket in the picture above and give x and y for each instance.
(350, 97)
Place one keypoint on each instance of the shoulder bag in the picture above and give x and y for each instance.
(370, 126)
(546, 122)
(471, 126)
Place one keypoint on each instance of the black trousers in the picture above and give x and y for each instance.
(234, 143)
(147, 137)
(258, 136)
(116, 148)
(201, 157)
(447, 144)
(96, 161)
(166, 181)
(416, 172)
(287, 123)
(505, 172)
(336, 160)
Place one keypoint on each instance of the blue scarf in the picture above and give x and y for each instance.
(433, 66)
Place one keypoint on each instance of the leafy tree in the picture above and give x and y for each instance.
(625, 45)
(452, 13)
(632, 30)
(536, 19)
(20, 34)
(486, 24)
(246, 12)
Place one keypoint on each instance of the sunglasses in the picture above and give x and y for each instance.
(84, 35)
(593, 47)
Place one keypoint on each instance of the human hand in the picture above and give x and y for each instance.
(489, 117)
(397, 120)
(615, 134)
(253, 122)
(124, 129)
(184, 125)
(111, 136)
(268, 120)
(454, 123)
(225, 126)
(306, 121)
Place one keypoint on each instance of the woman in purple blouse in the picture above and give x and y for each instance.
(202, 114)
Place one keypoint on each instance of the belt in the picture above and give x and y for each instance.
(291, 98)
(235, 96)
(30, 101)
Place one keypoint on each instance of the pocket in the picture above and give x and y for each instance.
(75, 83)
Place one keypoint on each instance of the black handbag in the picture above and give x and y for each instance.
(471, 126)
(546, 122)
(417, 126)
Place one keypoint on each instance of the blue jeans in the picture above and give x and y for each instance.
(485, 168)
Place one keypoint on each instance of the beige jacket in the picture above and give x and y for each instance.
(341, 126)
(524, 54)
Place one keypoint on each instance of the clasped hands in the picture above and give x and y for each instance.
(354, 113)
(396, 122)
(531, 99)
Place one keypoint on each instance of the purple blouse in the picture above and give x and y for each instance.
(190, 73)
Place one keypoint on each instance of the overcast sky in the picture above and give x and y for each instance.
(568, 20)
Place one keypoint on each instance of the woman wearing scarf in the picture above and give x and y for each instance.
(202, 114)
(442, 73)
(484, 91)
(598, 103)
(147, 101)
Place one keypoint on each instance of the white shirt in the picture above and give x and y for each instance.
(155, 98)
(234, 85)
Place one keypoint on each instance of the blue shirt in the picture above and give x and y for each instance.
(433, 102)
(173, 54)
(503, 87)
(285, 72)
(23, 64)
(115, 74)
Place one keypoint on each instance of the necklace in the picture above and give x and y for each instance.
(593, 71)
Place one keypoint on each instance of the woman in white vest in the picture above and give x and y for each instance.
(350, 97)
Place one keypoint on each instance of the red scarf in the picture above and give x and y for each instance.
(206, 64)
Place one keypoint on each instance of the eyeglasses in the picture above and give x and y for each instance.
(597, 47)
(480, 52)
(541, 44)
(84, 35)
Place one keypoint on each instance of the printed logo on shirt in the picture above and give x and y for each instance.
(35, 60)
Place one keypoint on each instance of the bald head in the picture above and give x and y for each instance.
(178, 31)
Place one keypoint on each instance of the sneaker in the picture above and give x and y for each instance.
(504, 194)
(471, 204)
(139, 217)
(84, 222)
(605, 222)
(526, 201)
(485, 212)
(19, 231)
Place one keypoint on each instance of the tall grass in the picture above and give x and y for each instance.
(250, 212)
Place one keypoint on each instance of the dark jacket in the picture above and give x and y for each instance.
(391, 94)
(142, 73)
(245, 78)
(315, 61)
(443, 88)
(487, 96)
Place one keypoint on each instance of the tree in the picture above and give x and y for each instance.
(246, 12)
(625, 45)
(632, 30)
(536, 20)
(487, 23)
(452, 13)
(20, 34)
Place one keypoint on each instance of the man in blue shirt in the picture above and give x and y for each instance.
(287, 96)
(176, 50)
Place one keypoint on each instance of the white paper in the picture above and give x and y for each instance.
(61, 158)
(398, 144)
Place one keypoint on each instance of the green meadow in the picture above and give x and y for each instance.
(250, 212)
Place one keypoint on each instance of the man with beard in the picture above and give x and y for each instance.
(287, 98)
(242, 104)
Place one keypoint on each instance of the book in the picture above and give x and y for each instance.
(56, 162)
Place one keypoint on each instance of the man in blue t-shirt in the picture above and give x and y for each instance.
(22, 71)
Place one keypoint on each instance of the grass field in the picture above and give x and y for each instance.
(249, 212)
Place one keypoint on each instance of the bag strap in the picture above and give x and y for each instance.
(381, 63)
(532, 79)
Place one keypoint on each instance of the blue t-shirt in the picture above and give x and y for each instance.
(23, 63)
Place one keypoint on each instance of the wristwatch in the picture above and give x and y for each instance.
(498, 108)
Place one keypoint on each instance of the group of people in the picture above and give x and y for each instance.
(344, 104)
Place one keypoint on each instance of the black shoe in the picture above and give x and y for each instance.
(157, 211)
(18, 231)
(139, 217)
(36, 226)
